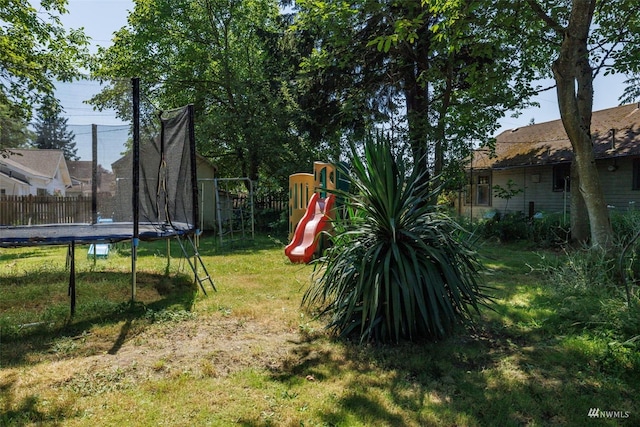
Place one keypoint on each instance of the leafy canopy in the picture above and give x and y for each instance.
(225, 58)
(35, 51)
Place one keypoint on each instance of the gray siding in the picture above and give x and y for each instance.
(537, 185)
(617, 184)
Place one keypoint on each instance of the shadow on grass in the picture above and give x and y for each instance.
(507, 372)
(208, 245)
(44, 317)
(58, 334)
(29, 412)
(11, 255)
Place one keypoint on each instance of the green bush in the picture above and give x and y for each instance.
(587, 282)
(625, 224)
(506, 228)
(398, 268)
(549, 230)
(544, 231)
(272, 221)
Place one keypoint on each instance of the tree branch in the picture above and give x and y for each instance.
(546, 18)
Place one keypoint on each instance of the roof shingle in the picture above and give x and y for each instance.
(615, 133)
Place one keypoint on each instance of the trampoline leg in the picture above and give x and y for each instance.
(134, 258)
(166, 271)
(72, 276)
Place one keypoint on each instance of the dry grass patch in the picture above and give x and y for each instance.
(247, 355)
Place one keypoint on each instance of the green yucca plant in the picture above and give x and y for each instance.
(398, 268)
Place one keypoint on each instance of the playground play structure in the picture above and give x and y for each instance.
(163, 201)
(310, 210)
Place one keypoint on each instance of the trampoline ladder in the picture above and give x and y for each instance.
(194, 263)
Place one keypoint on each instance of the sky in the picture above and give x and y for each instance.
(101, 18)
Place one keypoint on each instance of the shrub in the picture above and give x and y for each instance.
(549, 230)
(398, 268)
(587, 282)
(506, 228)
(625, 224)
(544, 231)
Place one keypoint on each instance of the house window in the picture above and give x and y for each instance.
(3, 192)
(562, 175)
(42, 192)
(635, 185)
(483, 190)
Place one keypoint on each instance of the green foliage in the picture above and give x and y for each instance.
(36, 50)
(510, 227)
(51, 131)
(543, 230)
(440, 74)
(626, 229)
(583, 269)
(227, 59)
(549, 230)
(594, 302)
(14, 131)
(625, 225)
(398, 268)
(507, 193)
(272, 221)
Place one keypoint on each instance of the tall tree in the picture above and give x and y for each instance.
(423, 66)
(580, 38)
(590, 36)
(51, 130)
(35, 50)
(222, 56)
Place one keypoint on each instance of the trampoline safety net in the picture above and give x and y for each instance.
(102, 208)
(166, 178)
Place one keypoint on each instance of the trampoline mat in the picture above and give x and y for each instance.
(110, 232)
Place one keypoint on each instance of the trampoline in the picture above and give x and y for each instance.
(159, 201)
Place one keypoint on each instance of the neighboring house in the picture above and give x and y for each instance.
(82, 177)
(34, 172)
(122, 169)
(536, 159)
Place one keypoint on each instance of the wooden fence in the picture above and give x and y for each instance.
(278, 202)
(268, 209)
(275, 202)
(34, 210)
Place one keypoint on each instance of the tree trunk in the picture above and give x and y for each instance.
(579, 216)
(440, 131)
(574, 80)
(415, 59)
(417, 117)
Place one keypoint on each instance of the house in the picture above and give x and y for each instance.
(534, 163)
(81, 173)
(122, 169)
(34, 172)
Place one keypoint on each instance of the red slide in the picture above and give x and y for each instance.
(305, 241)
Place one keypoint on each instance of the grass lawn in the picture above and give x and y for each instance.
(248, 355)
